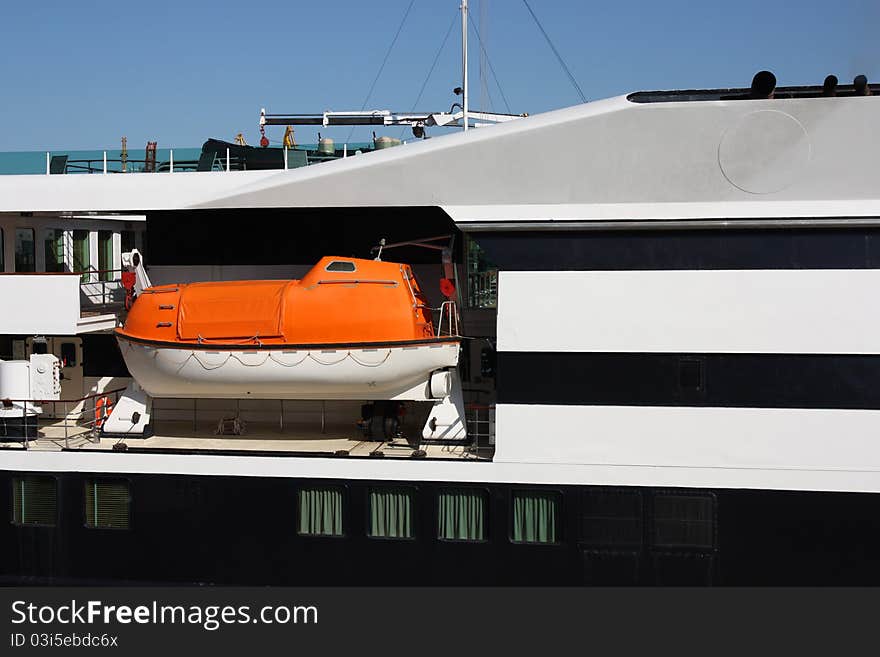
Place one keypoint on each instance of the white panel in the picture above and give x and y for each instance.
(39, 303)
(692, 437)
(778, 311)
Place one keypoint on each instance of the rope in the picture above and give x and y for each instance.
(384, 61)
(210, 367)
(491, 68)
(555, 52)
(433, 66)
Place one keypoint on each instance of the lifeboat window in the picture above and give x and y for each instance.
(341, 265)
(320, 511)
(536, 517)
(461, 514)
(391, 513)
(34, 501)
(108, 503)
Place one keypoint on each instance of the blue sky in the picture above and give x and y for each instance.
(82, 74)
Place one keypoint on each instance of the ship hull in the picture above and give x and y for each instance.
(365, 371)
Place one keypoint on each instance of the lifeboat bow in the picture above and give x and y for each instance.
(350, 329)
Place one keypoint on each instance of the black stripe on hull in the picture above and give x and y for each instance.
(671, 379)
(242, 530)
(790, 248)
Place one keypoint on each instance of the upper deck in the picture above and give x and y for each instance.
(649, 156)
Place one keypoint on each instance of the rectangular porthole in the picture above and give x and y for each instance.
(536, 517)
(320, 511)
(391, 513)
(461, 514)
(34, 501)
(108, 503)
(690, 375)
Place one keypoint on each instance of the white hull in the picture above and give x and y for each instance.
(393, 372)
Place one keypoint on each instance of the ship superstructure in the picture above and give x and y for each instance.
(666, 323)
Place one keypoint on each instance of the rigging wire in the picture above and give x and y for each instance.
(433, 66)
(555, 52)
(489, 62)
(384, 61)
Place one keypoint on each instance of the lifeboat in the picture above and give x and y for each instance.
(349, 329)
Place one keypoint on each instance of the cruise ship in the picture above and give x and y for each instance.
(658, 336)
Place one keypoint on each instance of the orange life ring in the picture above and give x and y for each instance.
(103, 408)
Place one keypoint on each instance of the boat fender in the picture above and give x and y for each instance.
(439, 384)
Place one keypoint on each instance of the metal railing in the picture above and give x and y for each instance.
(85, 422)
(480, 420)
(448, 309)
(102, 293)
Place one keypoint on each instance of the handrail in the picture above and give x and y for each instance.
(63, 401)
(90, 426)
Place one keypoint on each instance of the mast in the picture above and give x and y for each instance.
(464, 63)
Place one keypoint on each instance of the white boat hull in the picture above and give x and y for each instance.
(386, 372)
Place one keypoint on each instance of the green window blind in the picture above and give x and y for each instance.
(105, 254)
(81, 259)
(462, 514)
(320, 511)
(54, 249)
(34, 501)
(108, 503)
(535, 517)
(391, 512)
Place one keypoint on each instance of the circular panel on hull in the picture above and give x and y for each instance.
(765, 152)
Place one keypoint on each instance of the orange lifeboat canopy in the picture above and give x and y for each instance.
(339, 301)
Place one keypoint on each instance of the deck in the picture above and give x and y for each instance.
(259, 438)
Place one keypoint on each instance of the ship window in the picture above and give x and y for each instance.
(108, 503)
(462, 514)
(126, 238)
(536, 517)
(68, 354)
(25, 257)
(611, 517)
(2, 249)
(34, 501)
(54, 249)
(391, 512)
(684, 520)
(341, 265)
(690, 375)
(81, 260)
(320, 511)
(105, 254)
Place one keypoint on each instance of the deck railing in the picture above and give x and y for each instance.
(84, 422)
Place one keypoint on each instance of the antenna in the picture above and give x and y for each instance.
(464, 63)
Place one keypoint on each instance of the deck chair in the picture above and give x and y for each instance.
(58, 164)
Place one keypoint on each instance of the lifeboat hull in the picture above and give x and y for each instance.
(354, 372)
